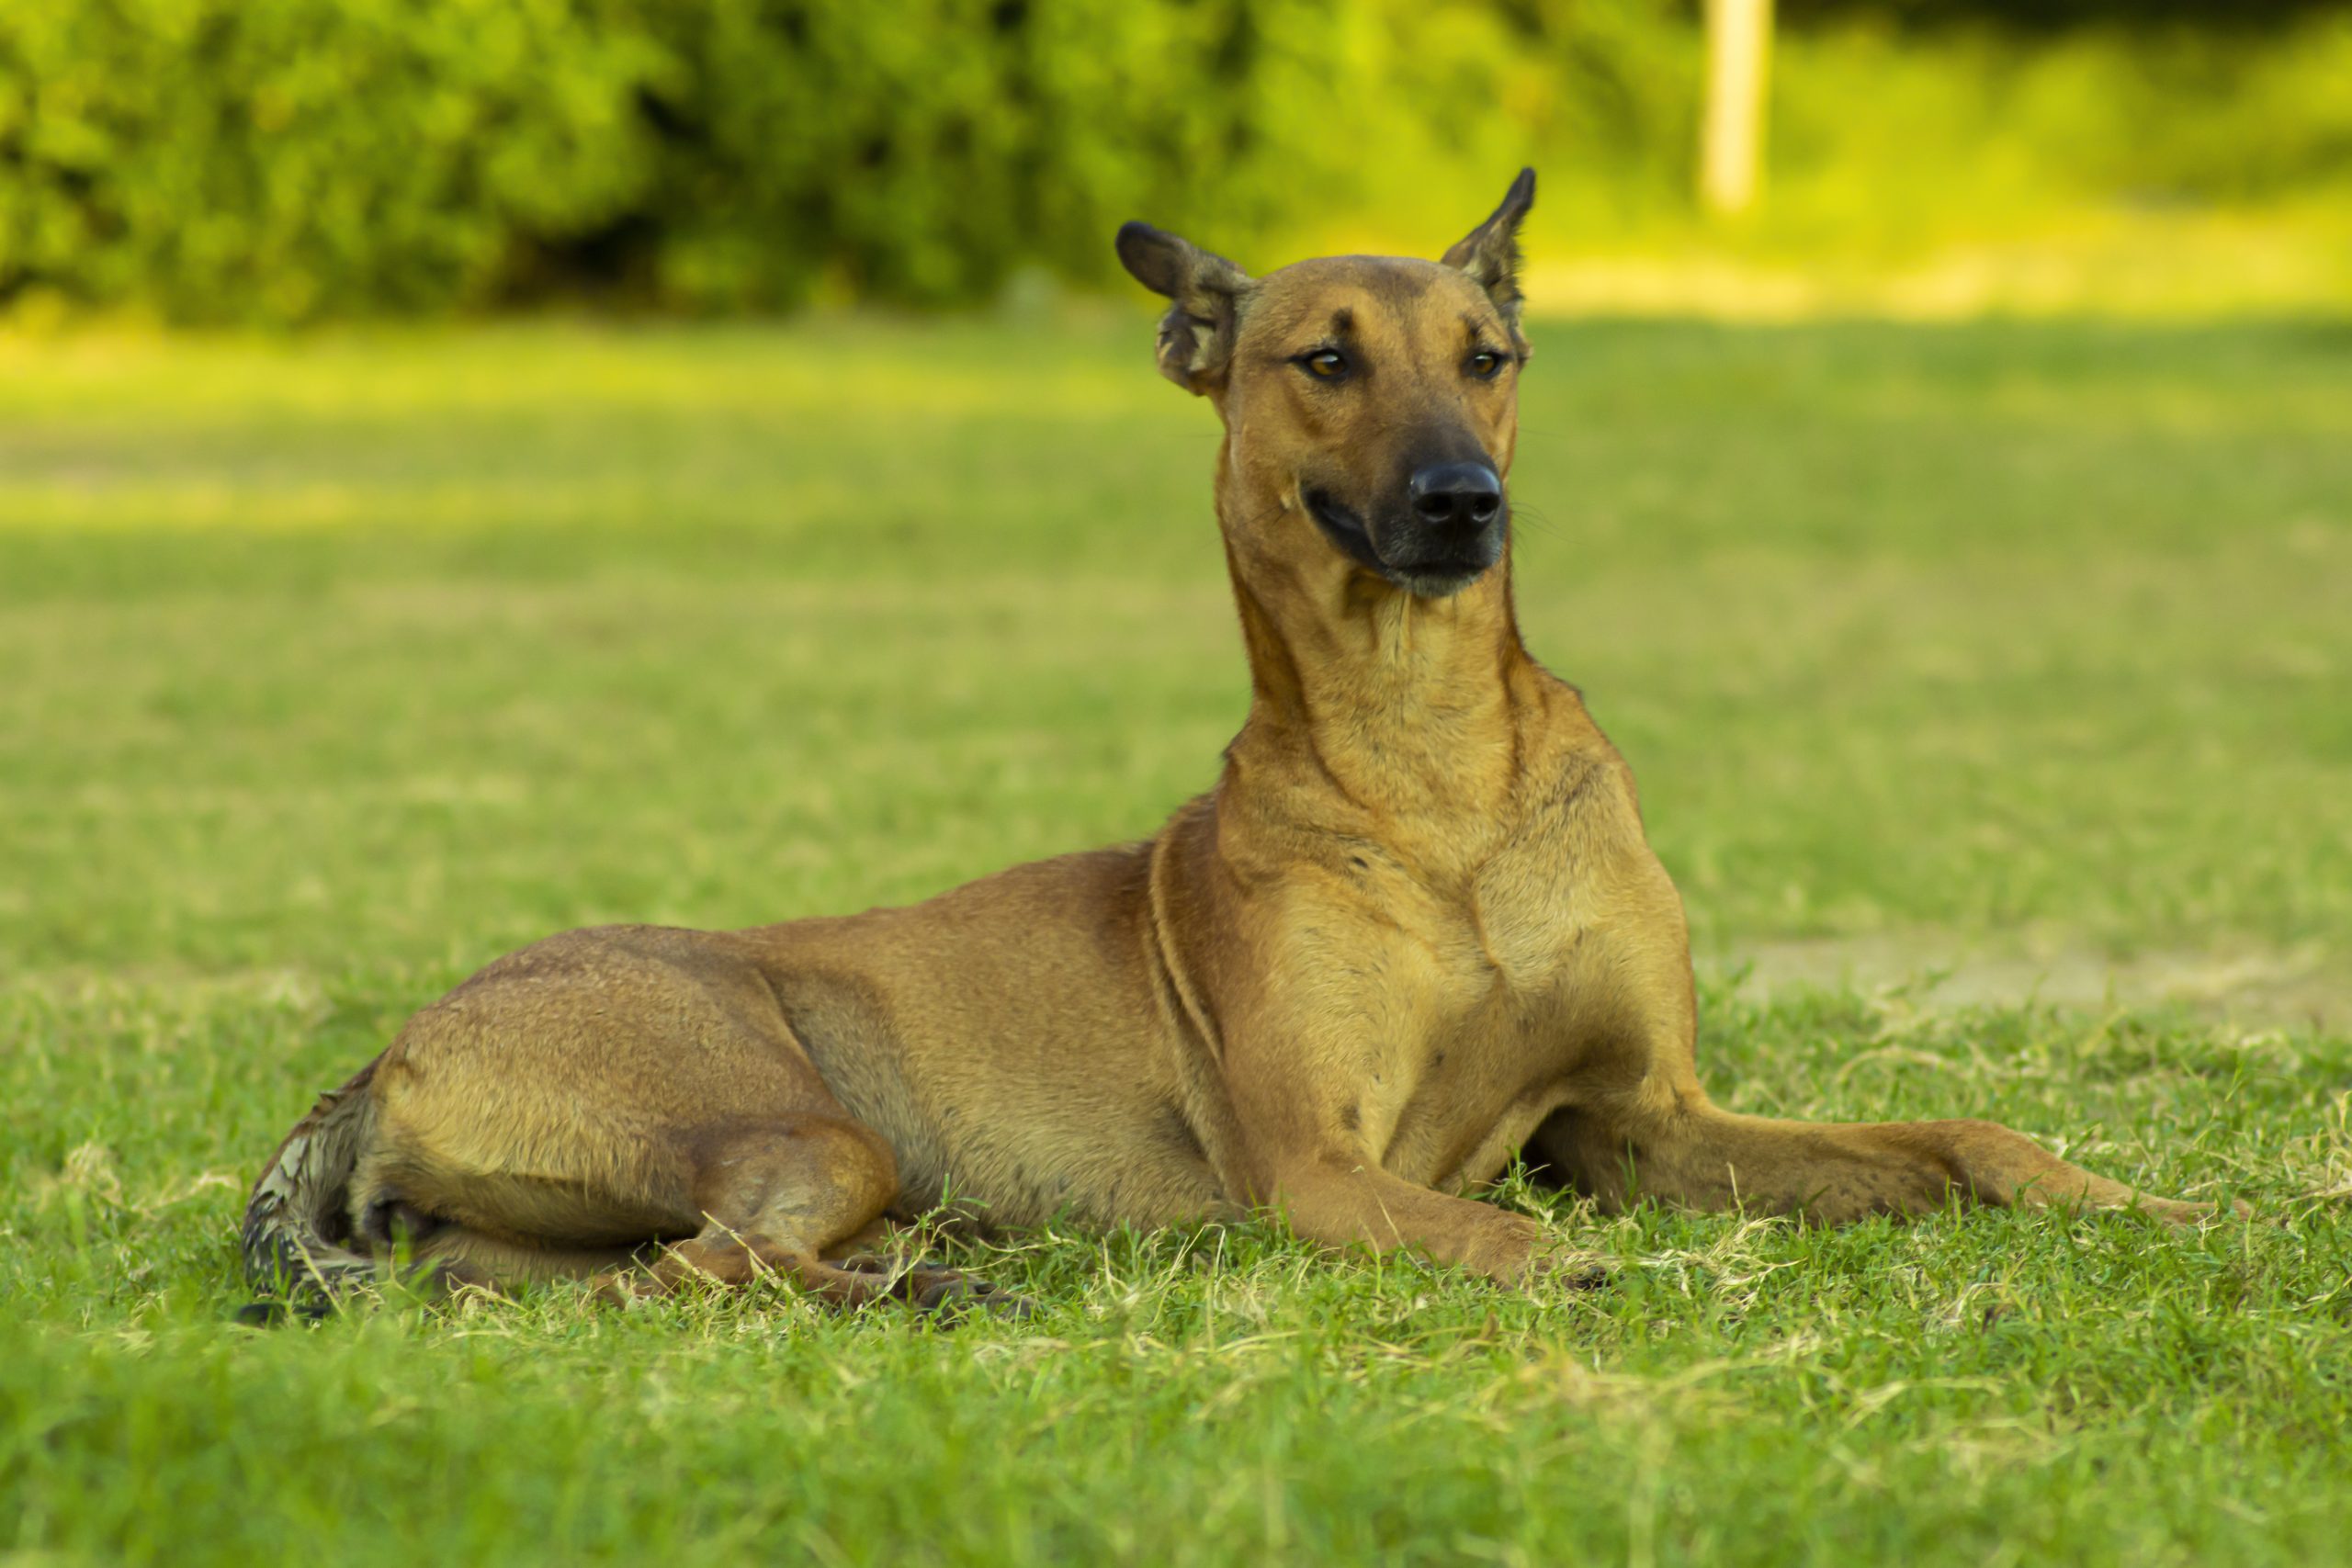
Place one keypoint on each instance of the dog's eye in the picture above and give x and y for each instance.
(1324, 364)
(1484, 363)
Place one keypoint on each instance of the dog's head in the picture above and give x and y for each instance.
(1370, 402)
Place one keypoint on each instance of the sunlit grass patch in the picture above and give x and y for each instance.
(332, 669)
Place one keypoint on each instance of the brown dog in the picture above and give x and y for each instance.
(1414, 930)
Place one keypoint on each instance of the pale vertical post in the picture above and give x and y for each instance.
(1739, 60)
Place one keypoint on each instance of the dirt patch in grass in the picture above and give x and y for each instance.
(2302, 988)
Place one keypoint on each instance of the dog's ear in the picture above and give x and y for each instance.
(1489, 252)
(1196, 335)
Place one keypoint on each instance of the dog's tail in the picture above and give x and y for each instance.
(298, 1224)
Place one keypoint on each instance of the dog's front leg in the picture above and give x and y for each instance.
(1648, 1129)
(1341, 1201)
(1303, 1151)
(1320, 1054)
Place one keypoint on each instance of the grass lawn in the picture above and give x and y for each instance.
(331, 670)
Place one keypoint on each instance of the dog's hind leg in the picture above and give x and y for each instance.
(454, 1256)
(782, 1197)
(785, 1198)
(630, 1107)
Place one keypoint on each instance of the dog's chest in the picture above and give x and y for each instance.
(1509, 916)
(1488, 985)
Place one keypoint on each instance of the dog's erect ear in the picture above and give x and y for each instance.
(1196, 335)
(1489, 252)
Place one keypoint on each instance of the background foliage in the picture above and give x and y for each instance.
(216, 160)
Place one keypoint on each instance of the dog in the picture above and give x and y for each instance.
(1415, 933)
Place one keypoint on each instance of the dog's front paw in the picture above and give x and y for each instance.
(1558, 1267)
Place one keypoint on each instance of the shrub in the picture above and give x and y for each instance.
(212, 159)
(231, 160)
(215, 158)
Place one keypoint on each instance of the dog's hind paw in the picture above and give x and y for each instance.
(268, 1312)
(957, 1295)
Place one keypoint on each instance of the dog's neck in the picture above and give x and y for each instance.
(1407, 707)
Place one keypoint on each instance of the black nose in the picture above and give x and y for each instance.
(1466, 494)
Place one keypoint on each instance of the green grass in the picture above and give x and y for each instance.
(331, 669)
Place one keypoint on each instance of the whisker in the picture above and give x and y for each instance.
(1536, 521)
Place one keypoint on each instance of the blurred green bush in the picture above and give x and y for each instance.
(210, 160)
(214, 158)
(222, 159)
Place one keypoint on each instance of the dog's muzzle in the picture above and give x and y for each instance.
(1450, 533)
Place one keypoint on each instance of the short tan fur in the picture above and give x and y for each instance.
(1414, 929)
